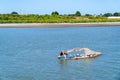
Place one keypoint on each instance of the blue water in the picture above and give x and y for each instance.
(31, 53)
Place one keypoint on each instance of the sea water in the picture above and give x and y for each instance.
(31, 53)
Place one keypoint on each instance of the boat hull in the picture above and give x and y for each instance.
(86, 57)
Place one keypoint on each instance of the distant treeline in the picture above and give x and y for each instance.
(55, 17)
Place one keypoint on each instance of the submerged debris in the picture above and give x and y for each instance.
(86, 53)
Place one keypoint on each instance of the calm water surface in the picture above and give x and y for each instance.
(31, 53)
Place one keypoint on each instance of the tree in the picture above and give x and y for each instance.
(107, 14)
(88, 15)
(100, 14)
(14, 13)
(71, 14)
(55, 13)
(116, 14)
(77, 13)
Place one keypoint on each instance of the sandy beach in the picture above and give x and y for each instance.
(55, 25)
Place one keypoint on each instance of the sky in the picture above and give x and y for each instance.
(62, 6)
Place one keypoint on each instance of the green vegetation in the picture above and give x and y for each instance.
(14, 13)
(55, 13)
(77, 13)
(55, 17)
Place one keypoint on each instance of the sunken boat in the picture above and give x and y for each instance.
(78, 53)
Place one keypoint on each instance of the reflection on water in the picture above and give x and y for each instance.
(83, 61)
(82, 67)
(62, 62)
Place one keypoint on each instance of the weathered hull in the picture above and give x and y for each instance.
(76, 58)
(87, 53)
(82, 57)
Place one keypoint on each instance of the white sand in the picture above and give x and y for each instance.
(46, 25)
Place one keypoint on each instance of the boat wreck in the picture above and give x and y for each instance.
(75, 54)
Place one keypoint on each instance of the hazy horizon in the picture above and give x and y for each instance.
(63, 7)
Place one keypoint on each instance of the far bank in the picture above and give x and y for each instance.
(55, 25)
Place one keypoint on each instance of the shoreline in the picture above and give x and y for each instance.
(56, 25)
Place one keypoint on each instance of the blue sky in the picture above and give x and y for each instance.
(62, 6)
